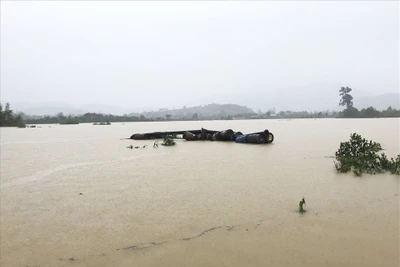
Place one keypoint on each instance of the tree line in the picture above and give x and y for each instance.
(106, 118)
(351, 112)
(85, 118)
(210, 111)
(11, 119)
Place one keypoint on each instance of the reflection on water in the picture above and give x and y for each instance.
(75, 195)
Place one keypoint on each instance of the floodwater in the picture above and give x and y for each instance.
(74, 195)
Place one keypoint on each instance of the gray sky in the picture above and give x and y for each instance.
(169, 54)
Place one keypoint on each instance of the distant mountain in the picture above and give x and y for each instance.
(380, 102)
(280, 99)
(53, 108)
(318, 101)
(241, 103)
(211, 110)
(46, 108)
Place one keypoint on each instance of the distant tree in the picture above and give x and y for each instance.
(281, 114)
(195, 116)
(8, 114)
(70, 120)
(370, 112)
(390, 112)
(2, 119)
(351, 112)
(61, 117)
(347, 99)
(168, 116)
(19, 122)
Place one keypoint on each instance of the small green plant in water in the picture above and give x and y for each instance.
(301, 203)
(360, 156)
(168, 141)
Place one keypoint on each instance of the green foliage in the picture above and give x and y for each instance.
(8, 118)
(168, 141)
(360, 156)
(394, 165)
(301, 203)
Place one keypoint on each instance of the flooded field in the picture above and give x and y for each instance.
(76, 196)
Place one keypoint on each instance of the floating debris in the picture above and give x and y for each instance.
(102, 123)
(264, 137)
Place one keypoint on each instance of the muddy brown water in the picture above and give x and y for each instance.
(74, 195)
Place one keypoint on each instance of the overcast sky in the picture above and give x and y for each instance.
(170, 54)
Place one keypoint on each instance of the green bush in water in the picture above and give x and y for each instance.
(360, 156)
(168, 141)
(301, 203)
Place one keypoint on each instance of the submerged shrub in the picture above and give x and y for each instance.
(360, 156)
(301, 203)
(168, 141)
(394, 166)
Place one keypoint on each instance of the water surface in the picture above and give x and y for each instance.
(74, 195)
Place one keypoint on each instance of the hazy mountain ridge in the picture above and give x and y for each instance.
(321, 101)
(53, 108)
(200, 111)
(380, 102)
(253, 101)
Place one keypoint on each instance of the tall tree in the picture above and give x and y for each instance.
(8, 115)
(8, 118)
(347, 99)
(2, 117)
